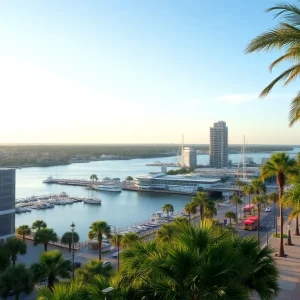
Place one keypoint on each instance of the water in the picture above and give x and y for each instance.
(118, 209)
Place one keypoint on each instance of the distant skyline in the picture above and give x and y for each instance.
(138, 72)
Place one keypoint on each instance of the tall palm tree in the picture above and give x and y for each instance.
(14, 247)
(38, 224)
(201, 200)
(97, 230)
(284, 37)
(68, 237)
(23, 230)
(190, 208)
(129, 239)
(236, 200)
(17, 279)
(91, 268)
(129, 178)
(52, 265)
(168, 208)
(44, 236)
(281, 166)
(248, 190)
(258, 200)
(93, 177)
(116, 240)
(210, 210)
(273, 198)
(258, 186)
(230, 215)
(291, 199)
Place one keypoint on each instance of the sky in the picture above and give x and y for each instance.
(133, 71)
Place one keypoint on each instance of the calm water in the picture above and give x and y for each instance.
(118, 209)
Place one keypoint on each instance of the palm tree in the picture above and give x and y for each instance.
(93, 290)
(291, 199)
(236, 200)
(67, 238)
(14, 247)
(284, 37)
(52, 265)
(97, 229)
(165, 232)
(239, 183)
(258, 200)
(201, 200)
(93, 177)
(258, 186)
(273, 198)
(152, 271)
(91, 268)
(17, 279)
(129, 239)
(61, 291)
(23, 230)
(190, 208)
(210, 210)
(248, 190)
(129, 178)
(283, 167)
(168, 208)
(230, 215)
(116, 241)
(4, 258)
(44, 236)
(38, 224)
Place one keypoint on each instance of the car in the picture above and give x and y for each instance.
(106, 263)
(267, 209)
(115, 255)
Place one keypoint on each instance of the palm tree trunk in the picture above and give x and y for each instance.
(274, 213)
(249, 205)
(297, 226)
(70, 245)
(99, 249)
(118, 257)
(281, 247)
(189, 217)
(23, 237)
(45, 247)
(17, 296)
(230, 221)
(258, 223)
(236, 215)
(201, 213)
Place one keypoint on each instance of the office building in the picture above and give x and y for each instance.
(218, 147)
(7, 204)
(189, 157)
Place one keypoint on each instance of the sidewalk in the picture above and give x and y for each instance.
(289, 267)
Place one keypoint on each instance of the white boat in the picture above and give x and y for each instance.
(49, 180)
(108, 187)
(92, 201)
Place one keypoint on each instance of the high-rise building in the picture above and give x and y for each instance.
(189, 157)
(7, 204)
(218, 147)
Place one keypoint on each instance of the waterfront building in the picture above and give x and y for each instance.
(189, 157)
(218, 147)
(174, 183)
(7, 203)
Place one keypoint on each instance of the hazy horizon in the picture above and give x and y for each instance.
(138, 72)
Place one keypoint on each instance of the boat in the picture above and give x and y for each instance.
(92, 201)
(49, 180)
(108, 187)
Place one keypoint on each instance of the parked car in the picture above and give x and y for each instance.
(115, 255)
(268, 209)
(106, 263)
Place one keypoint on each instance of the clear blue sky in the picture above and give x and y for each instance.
(137, 71)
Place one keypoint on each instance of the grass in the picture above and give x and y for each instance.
(278, 235)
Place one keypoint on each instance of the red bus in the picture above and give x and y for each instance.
(251, 223)
(248, 208)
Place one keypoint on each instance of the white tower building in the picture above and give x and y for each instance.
(189, 157)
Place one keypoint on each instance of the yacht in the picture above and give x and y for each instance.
(108, 187)
(92, 201)
(49, 180)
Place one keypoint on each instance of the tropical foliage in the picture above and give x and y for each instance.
(4, 258)
(68, 237)
(52, 265)
(15, 247)
(168, 208)
(202, 201)
(231, 216)
(236, 200)
(23, 230)
(285, 38)
(93, 177)
(97, 230)
(38, 224)
(190, 208)
(281, 166)
(44, 236)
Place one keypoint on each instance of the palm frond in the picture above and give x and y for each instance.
(290, 12)
(292, 54)
(294, 114)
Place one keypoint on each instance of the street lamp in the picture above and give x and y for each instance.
(107, 292)
(72, 226)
